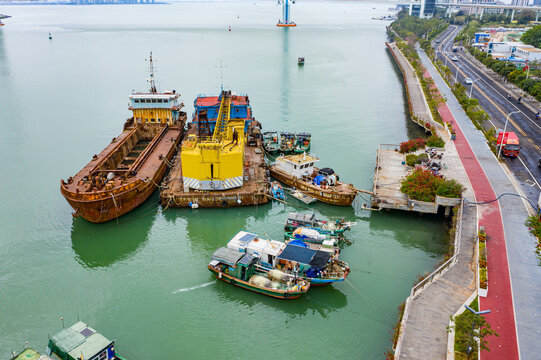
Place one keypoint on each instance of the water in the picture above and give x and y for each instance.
(143, 280)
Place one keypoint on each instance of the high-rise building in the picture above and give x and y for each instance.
(536, 2)
(422, 8)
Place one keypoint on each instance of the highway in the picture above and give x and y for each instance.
(493, 98)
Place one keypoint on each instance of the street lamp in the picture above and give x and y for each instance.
(456, 76)
(471, 89)
(470, 348)
(503, 134)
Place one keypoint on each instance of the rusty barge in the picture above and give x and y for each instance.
(221, 163)
(128, 170)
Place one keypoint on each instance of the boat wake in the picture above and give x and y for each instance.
(193, 287)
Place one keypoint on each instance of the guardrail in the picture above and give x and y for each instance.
(429, 279)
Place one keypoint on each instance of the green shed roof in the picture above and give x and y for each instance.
(80, 339)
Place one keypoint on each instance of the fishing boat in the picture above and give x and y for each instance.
(276, 191)
(300, 61)
(319, 267)
(308, 235)
(298, 171)
(80, 341)
(302, 142)
(335, 228)
(240, 269)
(129, 169)
(271, 142)
(287, 142)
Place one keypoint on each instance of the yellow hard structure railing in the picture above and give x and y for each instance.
(224, 114)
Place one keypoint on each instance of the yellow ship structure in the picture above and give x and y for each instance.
(215, 163)
(221, 161)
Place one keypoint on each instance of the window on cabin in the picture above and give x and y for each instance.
(152, 120)
(136, 100)
(102, 355)
(154, 100)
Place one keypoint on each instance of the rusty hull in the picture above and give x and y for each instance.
(135, 178)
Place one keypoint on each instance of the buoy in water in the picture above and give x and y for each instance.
(229, 27)
(50, 36)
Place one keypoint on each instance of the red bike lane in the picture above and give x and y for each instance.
(499, 300)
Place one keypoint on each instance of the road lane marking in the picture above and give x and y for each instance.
(529, 172)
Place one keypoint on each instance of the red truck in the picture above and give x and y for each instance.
(511, 144)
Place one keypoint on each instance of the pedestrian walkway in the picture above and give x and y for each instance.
(514, 277)
(420, 112)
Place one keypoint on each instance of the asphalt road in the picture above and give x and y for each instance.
(493, 98)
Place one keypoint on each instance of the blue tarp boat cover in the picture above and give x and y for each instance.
(318, 179)
(313, 272)
(298, 243)
(303, 255)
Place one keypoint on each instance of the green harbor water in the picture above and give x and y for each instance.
(143, 279)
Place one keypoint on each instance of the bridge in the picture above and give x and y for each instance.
(507, 7)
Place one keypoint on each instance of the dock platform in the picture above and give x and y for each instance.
(253, 191)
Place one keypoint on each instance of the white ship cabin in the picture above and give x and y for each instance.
(266, 250)
(156, 107)
(297, 165)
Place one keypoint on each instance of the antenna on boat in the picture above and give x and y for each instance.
(151, 80)
(62, 318)
(221, 76)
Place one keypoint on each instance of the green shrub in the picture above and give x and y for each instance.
(435, 141)
(450, 188)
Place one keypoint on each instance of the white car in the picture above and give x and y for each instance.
(468, 81)
(454, 58)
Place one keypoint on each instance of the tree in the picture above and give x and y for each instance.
(525, 16)
(532, 36)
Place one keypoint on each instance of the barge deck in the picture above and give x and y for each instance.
(253, 191)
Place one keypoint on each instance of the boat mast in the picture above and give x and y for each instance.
(151, 80)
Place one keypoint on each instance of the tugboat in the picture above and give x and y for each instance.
(287, 142)
(240, 269)
(276, 191)
(271, 142)
(319, 267)
(333, 228)
(298, 171)
(80, 341)
(127, 171)
(302, 142)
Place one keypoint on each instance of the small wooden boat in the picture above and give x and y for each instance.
(302, 197)
(276, 191)
(240, 269)
(317, 266)
(80, 341)
(300, 61)
(287, 142)
(302, 142)
(334, 228)
(298, 171)
(271, 142)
